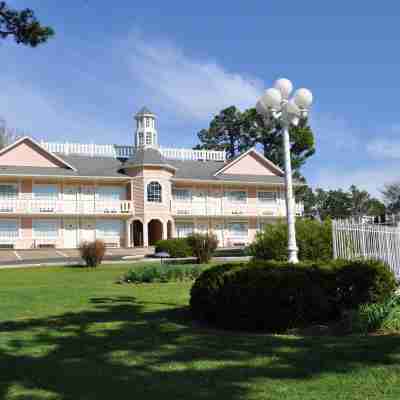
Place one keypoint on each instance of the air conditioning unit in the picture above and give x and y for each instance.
(268, 212)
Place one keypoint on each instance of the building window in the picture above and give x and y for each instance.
(108, 229)
(45, 192)
(106, 193)
(8, 191)
(266, 197)
(182, 195)
(184, 230)
(148, 138)
(141, 139)
(154, 192)
(45, 229)
(238, 229)
(9, 229)
(147, 122)
(236, 196)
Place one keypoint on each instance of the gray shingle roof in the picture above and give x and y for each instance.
(146, 156)
(108, 167)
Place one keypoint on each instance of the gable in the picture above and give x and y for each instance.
(26, 153)
(251, 164)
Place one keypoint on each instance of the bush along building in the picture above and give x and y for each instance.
(59, 194)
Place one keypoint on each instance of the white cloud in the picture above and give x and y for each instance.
(384, 149)
(192, 88)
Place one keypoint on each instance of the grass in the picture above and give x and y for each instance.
(72, 333)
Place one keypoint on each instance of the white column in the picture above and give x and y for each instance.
(290, 214)
(145, 233)
(165, 230)
(128, 233)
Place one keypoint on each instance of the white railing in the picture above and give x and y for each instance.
(189, 154)
(66, 207)
(225, 208)
(116, 151)
(352, 240)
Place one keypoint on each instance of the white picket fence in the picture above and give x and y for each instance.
(353, 240)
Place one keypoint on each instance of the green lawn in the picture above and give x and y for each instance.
(70, 333)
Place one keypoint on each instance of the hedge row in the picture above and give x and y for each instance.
(176, 248)
(276, 296)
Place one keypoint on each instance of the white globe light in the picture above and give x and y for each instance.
(284, 86)
(292, 108)
(272, 98)
(261, 108)
(303, 98)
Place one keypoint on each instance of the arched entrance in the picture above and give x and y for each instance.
(155, 228)
(137, 227)
(169, 229)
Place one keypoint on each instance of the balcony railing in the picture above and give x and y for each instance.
(66, 207)
(226, 208)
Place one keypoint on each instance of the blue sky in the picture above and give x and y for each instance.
(188, 60)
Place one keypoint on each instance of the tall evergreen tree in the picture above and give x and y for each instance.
(236, 131)
(23, 26)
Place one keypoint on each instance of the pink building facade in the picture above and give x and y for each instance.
(59, 194)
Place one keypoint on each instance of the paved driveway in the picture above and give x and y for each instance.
(48, 256)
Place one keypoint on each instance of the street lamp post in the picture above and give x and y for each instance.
(275, 104)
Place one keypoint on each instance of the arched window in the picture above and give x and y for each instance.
(154, 192)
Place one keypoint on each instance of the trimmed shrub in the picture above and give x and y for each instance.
(176, 248)
(162, 273)
(276, 296)
(314, 240)
(203, 246)
(92, 252)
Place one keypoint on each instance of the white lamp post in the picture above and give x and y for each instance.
(275, 104)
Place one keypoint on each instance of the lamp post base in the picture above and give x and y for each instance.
(293, 257)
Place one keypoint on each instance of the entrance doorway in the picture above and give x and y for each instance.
(155, 231)
(137, 227)
(71, 233)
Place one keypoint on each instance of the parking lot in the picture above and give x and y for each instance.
(48, 256)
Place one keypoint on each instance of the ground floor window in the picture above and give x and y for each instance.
(45, 228)
(238, 229)
(9, 229)
(184, 230)
(108, 229)
(262, 226)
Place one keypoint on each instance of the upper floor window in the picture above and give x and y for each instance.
(182, 195)
(148, 137)
(154, 192)
(147, 122)
(109, 193)
(8, 191)
(45, 192)
(266, 197)
(236, 196)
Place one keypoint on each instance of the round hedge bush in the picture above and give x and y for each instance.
(276, 296)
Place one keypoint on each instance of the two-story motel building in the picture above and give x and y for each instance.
(59, 194)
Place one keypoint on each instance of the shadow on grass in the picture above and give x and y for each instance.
(120, 350)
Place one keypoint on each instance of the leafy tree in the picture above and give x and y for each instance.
(391, 197)
(236, 131)
(340, 204)
(22, 26)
